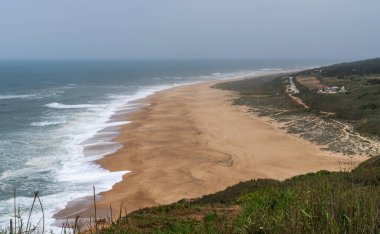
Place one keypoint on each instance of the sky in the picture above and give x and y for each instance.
(182, 29)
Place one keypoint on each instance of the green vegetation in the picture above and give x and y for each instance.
(322, 202)
(265, 93)
(357, 68)
(360, 104)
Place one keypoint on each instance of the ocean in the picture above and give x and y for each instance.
(57, 117)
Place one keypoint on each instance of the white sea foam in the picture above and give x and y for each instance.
(39, 95)
(98, 150)
(47, 123)
(21, 96)
(40, 162)
(102, 136)
(82, 146)
(14, 173)
(56, 105)
(216, 74)
(271, 69)
(80, 135)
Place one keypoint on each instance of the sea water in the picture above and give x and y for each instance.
(57, 117)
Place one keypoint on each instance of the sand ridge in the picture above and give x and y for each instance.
(190, 141)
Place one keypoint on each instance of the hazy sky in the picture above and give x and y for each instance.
(107, 29)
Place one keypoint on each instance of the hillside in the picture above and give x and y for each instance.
(323, 202)
(356, 68)
(337, 107)
(359, 104)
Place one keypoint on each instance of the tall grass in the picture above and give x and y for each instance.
(20, 223)
(321, 203)
(17, 224)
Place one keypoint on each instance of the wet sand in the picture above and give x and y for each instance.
(190, 141)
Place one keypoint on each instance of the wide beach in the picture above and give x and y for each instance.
(189, 141)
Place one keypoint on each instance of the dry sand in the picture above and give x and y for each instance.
(190, 141)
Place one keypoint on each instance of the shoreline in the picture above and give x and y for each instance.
(203, 146)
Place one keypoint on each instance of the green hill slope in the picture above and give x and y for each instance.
(360, 104)
(322, 202)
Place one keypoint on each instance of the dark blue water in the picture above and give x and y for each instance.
(56, 117)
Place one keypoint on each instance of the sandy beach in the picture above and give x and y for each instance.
(190, 141)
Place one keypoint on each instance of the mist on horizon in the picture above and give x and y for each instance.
(169, 29)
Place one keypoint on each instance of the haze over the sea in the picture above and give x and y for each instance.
(119, 29)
